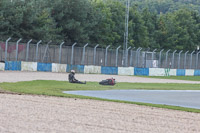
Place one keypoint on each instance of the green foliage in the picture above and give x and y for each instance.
(169, 24)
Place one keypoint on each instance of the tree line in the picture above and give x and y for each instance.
(102, 22)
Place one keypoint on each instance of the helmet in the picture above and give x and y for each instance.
(72, 71)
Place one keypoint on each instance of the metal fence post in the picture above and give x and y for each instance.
(152, 57)
(127, 56)
(17, 44)
(83, 56)
(185, 59)
(37, 50)
(72, 54)
(106, 55)
(60, 52)
(197, 59)
(6, 48)
(173, 58)
(179, 58)
(191, 59)
(138, 56)
(131, 58)
(116, 60)
(27, 49)
(95, 49)
(45, 52)
(167, 58)
(160, 55)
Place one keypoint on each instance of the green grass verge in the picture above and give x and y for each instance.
(55, 88)
(190, 78)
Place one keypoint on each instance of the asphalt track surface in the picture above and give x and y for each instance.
(182, 98)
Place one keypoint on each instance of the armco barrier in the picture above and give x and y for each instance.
(2, 66)
(13, 65)
(196, 72)
(189, 72)
(45, 67)
(158, 72)
(109, 70)
(92, 69)
(141, 71)
(180, 72)
(77, 68)
(29, 66)
(59, 67)
(125, 71)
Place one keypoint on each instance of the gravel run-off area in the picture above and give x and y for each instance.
(31, 114)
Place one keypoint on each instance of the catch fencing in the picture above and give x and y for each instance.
(140, 58)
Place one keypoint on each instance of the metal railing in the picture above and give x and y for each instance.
(135, 57)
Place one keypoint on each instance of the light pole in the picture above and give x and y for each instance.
(126, 32)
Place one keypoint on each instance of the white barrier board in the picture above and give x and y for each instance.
(125, 70)
(59, 67)
(157, 72)
(29, 66)
(2, 66)
(172, 72)
(92, 69)
(189, 72)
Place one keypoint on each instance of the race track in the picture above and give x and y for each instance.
(27, 113)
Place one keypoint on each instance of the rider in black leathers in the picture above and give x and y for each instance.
(72, 78)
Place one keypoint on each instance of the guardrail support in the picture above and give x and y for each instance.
(116, 59)
(167, 58)
(36, 58)
(6, 48)
(173, 58)
(106, 55)
(160, 55)
(72, 54)
(197, 59)
(83, 56)
(127, 56)
(27, 49)
(60, 52)
(17, 44)
(185, 59)
(95, 50)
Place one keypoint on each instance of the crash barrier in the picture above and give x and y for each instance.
(13, 65)
(45, 67)
(29, 66)
(109, 70)
(54, 67)
(196, 72)
(59, 67)
(2, 66)
(180, 72)
(162, 72)
(141, 71)
(157, 72)
(77, 68)
(189, 72)
(125, 71)
(92, 69)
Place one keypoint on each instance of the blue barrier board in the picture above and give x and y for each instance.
(13, 65)
(196, 72)
(45, 67)
(141, 71)
(77, 68)
(109, 70)
(180, 72)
